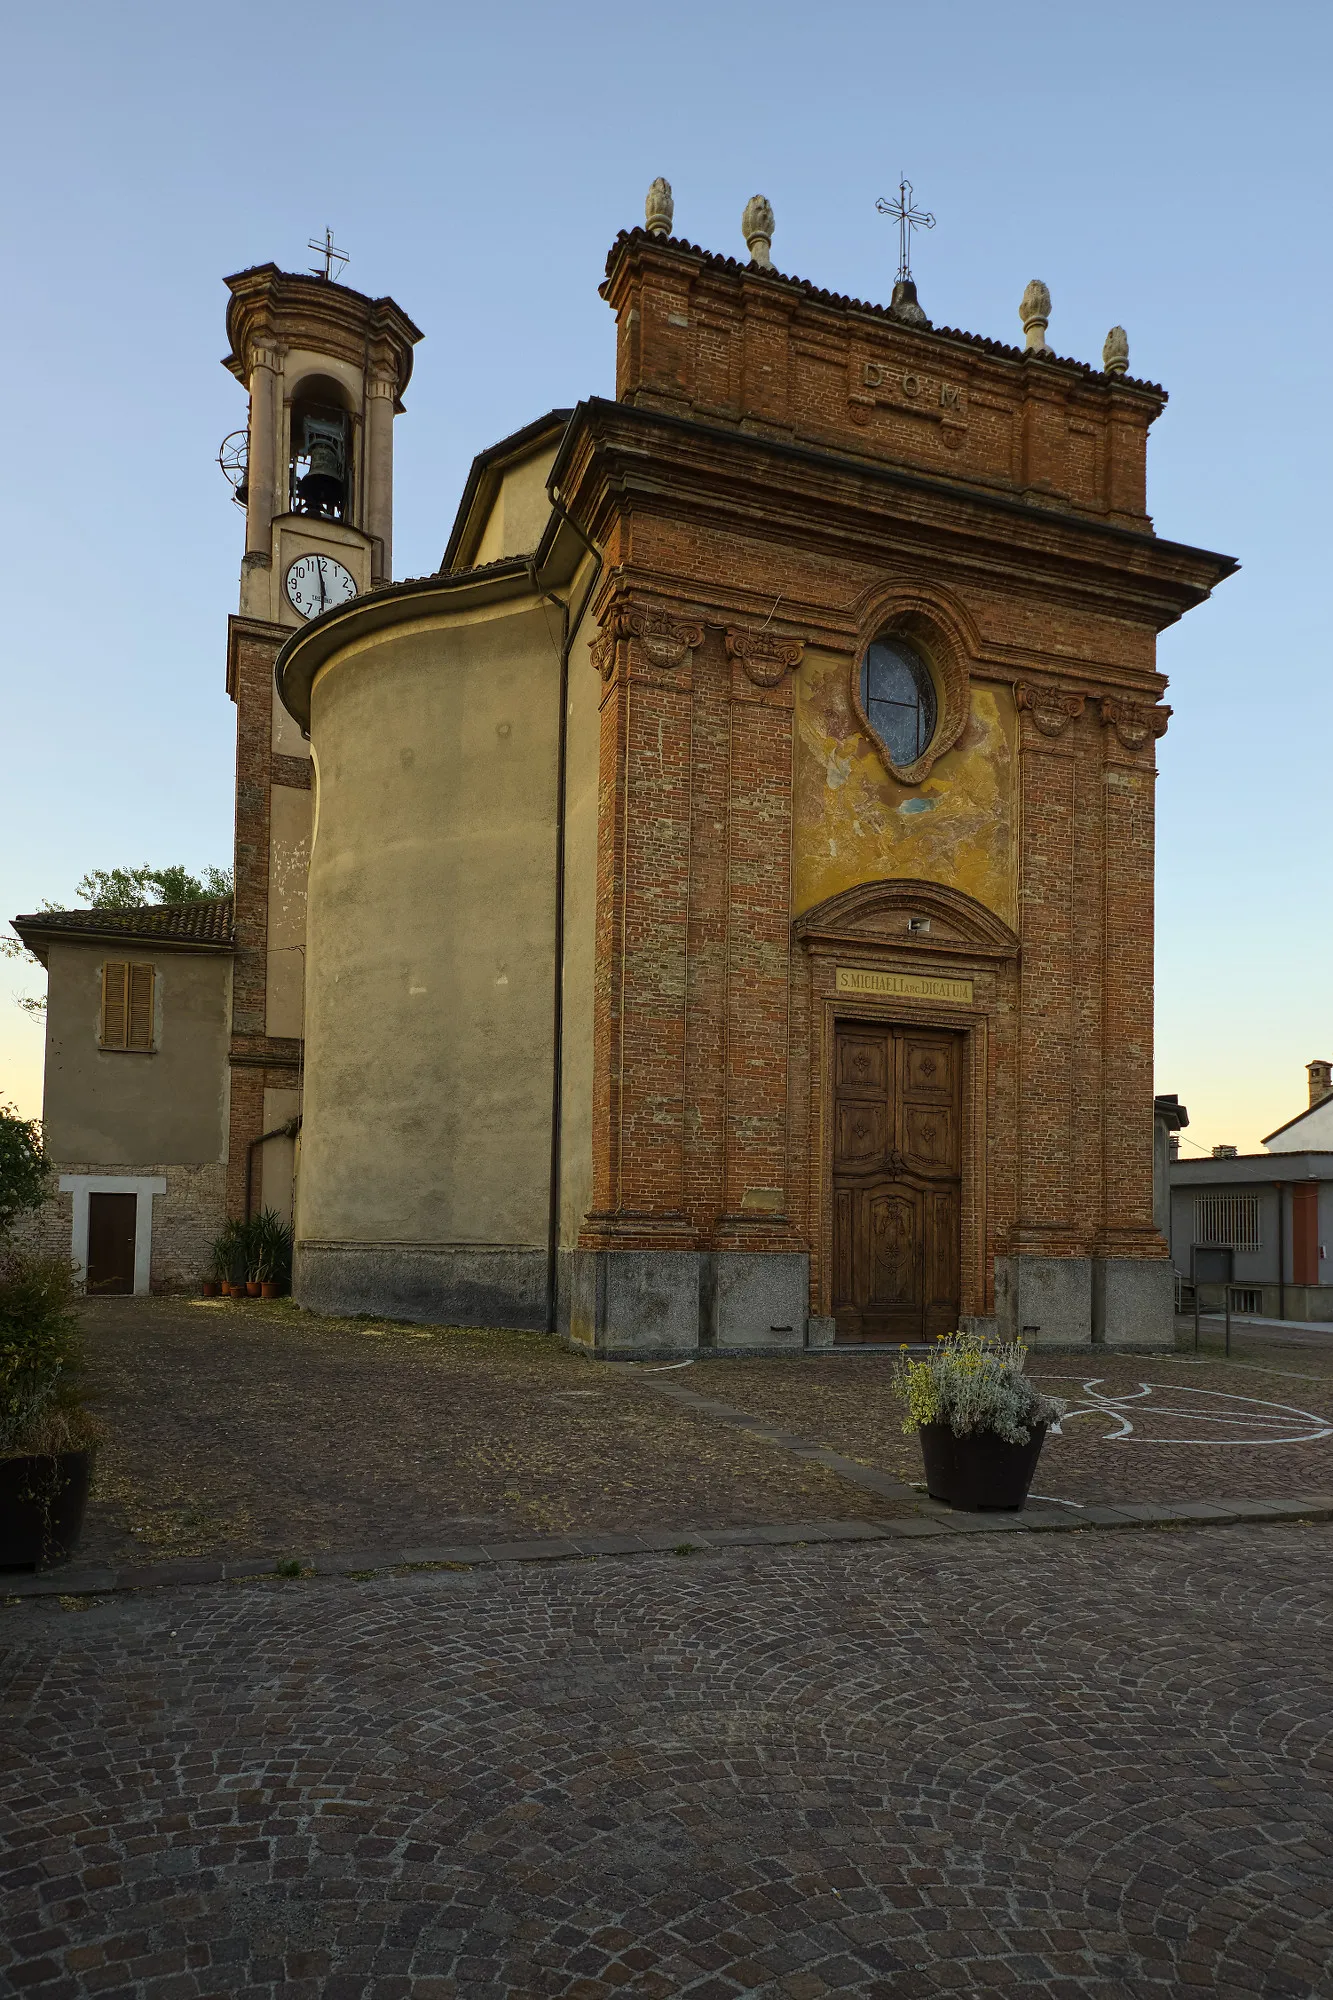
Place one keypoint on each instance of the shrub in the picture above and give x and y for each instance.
(973, 1384)
(40, 1353)
(25, 1171)
(231, 1252)
(271, 1248)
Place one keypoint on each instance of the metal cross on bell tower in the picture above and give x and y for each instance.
(335, 260)
(908, 218)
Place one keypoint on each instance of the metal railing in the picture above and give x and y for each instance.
(1227, 1290)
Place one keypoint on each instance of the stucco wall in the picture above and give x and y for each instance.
(288, 861)
(112, 1108)
(430, 930)
(1308, 1133)
(853, 822)
(518, 519)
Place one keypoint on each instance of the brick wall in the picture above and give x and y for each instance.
(259, 1061)
(185, 1220)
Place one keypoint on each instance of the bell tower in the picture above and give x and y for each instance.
(325, 368)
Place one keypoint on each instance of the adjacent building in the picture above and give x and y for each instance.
(1262, 1222)
(135, 1103)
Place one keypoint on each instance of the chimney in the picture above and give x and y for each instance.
(1321, 1081)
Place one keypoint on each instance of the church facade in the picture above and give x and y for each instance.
(714, 910)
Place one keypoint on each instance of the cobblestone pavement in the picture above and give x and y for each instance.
(1083, 1765)
(1243, 1427)
(241, 1430)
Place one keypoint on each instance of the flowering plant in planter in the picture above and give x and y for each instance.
(981, 1421)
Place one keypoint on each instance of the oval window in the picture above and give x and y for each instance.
(898, 696)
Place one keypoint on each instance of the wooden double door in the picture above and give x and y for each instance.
(897, 1188)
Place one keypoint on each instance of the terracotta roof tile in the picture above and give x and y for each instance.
(206, 922)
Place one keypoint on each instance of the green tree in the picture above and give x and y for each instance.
(25, 1171)
(135, 888)
(128, 889)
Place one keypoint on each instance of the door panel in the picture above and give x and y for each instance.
(929, 1068)
(893, 1234)
(862, 1065)
(860, 1133)
(897, 1197)
(111, 1226)
(930, 1138)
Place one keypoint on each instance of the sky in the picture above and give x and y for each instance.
(1164, 167)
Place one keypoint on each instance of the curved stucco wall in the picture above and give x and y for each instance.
(430, 947)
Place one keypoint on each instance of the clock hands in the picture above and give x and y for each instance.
(336, 585)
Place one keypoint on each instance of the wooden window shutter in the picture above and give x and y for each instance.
(115, 993)
(139, 1008)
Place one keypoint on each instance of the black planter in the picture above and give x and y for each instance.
(980, 1470)
(42, 1501)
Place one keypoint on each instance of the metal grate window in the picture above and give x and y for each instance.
(1246, 1299)
(1227, 1222)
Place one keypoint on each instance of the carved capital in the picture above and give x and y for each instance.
(1134, 722)
(665, 642)
(765, 656)
(1052, 709)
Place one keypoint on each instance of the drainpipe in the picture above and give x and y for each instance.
(569, 631)
(287, 1131)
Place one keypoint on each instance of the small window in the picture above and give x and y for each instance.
(1227, 1222)
(127, 1006)
(898, 696)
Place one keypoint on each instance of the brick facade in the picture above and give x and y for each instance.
(259, 1061)
(783, 475)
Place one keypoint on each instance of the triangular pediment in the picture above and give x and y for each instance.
(922, 913)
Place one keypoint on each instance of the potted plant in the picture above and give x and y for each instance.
(273, 1260)
(981, 1422)
(231, 1258)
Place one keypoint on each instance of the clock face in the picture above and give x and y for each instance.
(318, 583)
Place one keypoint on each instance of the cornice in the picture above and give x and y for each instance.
(295, 309)
(877, 913)
(312, 646)
(616, 455)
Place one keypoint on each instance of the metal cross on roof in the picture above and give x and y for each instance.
(908, 219)
(331, 255)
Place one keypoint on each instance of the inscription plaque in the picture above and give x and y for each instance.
(903, 985)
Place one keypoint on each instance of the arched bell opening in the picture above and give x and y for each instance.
(320, 465)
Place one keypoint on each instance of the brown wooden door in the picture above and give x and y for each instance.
(111, 1220)
(896, 1182)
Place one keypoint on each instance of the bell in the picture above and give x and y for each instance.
(323, 489)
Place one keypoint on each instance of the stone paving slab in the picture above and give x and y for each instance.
(921, 1765)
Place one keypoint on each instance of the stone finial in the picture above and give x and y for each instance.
(1115, 352)
(905, 304)
(659, 209)
(1035, 313)
(757, 229)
